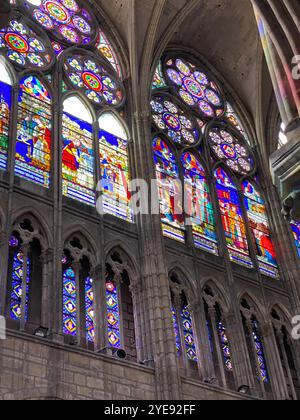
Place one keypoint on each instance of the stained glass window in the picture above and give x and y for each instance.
(260, 229)
(113, 315)
(23, 46)
(188, 334)
(194, 87)
(198, 200)
(92, 77)
(260, 354)
(65, 19)
(169, 190)
(234, 119)
(296, 233)
(89, 309)
(114, 167)
(230, 150)
(33, 146)
(107, 51)
(17, 286)
(5, 110)
(232, 218)
(69, 302)
(158, 80)
(78, 152)
(172, 121)
(176, 330)
(225, 346)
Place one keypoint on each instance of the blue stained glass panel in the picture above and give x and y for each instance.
(260, 353)
(225, 346)
(188, 333)
(78, 160)
(69, 302)
(113, 315)
(176, 330)
(34, 131)
(17, 290)
(5, 110)
(89, 309)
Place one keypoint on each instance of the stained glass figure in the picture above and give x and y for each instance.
(78, 153)
(33, 146)
(158, 80)
(260, 353)
(113, 315)
(89, 309)
(23, 46)
(169, 190)
(232, 218)
(176, 330)
(260, 229)
(17, 286)
(194, 87)
(234, 119)
(198, 204)
(69, 302)
(5, 110)
(188, 334)
(94, 79)
(225, 346)
(66, 20)
(173, 121)
(107, 51)
(114, 167)
(296, 233)
(231, 150)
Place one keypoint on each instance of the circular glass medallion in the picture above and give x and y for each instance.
(92, 81)
(16, 42)
(57, 11)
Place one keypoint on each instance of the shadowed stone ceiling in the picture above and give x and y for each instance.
(222, 31)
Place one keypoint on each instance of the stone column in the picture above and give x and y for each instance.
(135, 290)
(4, 270)
(280, 337)
(80, 332)
(99, 307)
(46, 306)
(177, 305)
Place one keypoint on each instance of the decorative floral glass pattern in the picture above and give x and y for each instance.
(5, 110)
(78, 160)
(113, 315)
(33, 147)
(89, 309)
(260, 353)
(65, 19)
(230, 150)
(17, 286)
(225, 346)
(260, 229)
(115, 175)
(200, 208)
(188, 334)
(69, 302)
(23, 46)
(232, 218)
(194, 87)
(107, 52)
(168, 190)
(296, 233)
(92, 78)
(173, 121)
